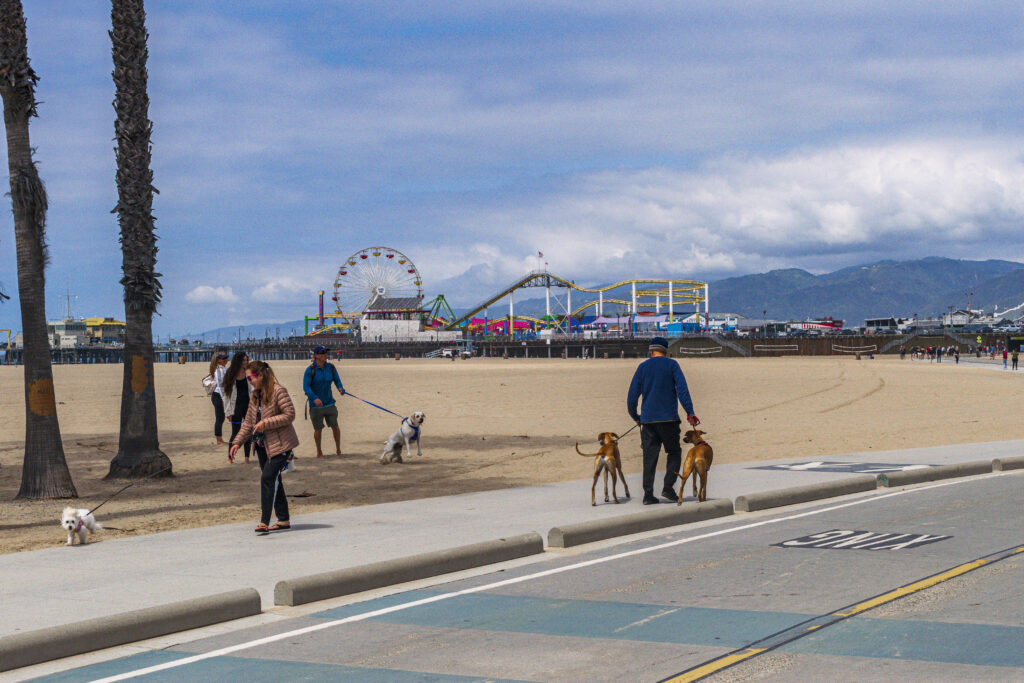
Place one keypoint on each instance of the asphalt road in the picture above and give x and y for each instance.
(783, 595)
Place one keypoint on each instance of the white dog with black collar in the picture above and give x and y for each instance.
(403, 438)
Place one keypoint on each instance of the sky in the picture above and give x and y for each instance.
(696, 140)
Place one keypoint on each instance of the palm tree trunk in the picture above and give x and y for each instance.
(45, 473)
(138, 453)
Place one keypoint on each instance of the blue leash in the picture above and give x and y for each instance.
(375, 405)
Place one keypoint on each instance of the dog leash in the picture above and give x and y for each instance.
(128, 487)
(628, 431)
(374, 405)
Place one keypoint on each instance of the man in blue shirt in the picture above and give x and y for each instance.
(660, 382)
(316, 384)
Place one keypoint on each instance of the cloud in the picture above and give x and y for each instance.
(285, 290)
(817, 208)
(205, 295)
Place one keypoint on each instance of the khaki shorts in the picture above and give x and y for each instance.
(322, 414)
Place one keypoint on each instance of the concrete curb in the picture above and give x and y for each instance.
(960, 469)
(1013, 463)
(33, 647)
(316, 587)
(663, 516)
(802, 494)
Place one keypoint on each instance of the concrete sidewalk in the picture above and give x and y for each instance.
(62, 585)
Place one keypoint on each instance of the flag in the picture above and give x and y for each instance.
(540, 255)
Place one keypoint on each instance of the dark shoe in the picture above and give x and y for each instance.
(670, 494)
(651, 500)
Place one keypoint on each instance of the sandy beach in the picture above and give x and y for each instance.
(490, 424)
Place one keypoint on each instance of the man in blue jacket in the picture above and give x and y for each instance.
(316, 384)
(660, 382)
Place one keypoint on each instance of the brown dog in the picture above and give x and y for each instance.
(606, 460)
(698, 461)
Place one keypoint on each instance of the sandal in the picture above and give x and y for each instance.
(262, 528)
(280, 526)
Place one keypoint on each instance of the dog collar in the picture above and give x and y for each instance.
(415, 429)
(702, 442)
(81, 523)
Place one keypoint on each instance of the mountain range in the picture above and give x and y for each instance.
(924, 287)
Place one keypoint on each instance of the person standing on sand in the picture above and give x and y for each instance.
(1014, 357)
(269, 422)
(217, 370)
(237, 391)
(660, 383)
(316, 383)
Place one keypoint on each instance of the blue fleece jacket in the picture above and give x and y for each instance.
(318, 385)
(660, 382)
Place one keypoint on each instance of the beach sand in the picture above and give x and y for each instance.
(490, 423)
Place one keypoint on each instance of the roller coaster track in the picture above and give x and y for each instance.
(684, 292)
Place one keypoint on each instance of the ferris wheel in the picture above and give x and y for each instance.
(372, 272)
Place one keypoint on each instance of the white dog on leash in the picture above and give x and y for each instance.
(403, 438)
(80, 522)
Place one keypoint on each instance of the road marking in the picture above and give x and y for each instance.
(507, 582)
(851, 539)
(715, 665)
(800, 630)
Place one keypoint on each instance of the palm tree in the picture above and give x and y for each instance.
(45, 473)
(138, 453)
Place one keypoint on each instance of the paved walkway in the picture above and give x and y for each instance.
(61, 585)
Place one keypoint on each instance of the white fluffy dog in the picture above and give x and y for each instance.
(403, 438)
(79, 522)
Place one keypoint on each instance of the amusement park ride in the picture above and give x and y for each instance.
(378, 274)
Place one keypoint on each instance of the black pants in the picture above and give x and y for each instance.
(271, 489)
(218, 414)
(236, 426)
(652, 437)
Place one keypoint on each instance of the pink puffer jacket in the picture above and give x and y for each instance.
(278, 415)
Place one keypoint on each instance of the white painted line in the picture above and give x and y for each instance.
(507, 582)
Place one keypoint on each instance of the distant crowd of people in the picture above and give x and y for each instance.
(934, 354)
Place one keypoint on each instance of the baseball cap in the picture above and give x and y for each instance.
(222, 354)
(320, 349)
(659, 344)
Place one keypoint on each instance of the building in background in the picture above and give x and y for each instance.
(104, 330)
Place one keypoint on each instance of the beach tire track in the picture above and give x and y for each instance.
(842, 379)
(879, 387)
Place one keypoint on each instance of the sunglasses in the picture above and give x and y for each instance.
(254, 375)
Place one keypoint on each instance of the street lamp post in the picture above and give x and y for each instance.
(764, 322)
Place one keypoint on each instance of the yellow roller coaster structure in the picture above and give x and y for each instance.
(668, 293)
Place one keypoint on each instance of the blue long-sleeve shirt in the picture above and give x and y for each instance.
(660, 381)
(317, 385)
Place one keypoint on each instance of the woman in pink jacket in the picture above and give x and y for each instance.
(269, 421)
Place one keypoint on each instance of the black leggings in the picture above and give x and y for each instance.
(218, 414)
(271, 488)
(236, 426)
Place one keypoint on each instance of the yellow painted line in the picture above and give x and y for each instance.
(811, 628)
(912, 588)
(715, 665)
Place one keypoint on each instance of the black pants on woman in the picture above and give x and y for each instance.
(653, 436)
(271, 488)
(218, 414)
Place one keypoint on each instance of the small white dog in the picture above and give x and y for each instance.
(403, 438)
(79, 522)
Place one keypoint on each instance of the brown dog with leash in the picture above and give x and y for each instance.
(607, 459)
(698, 461)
